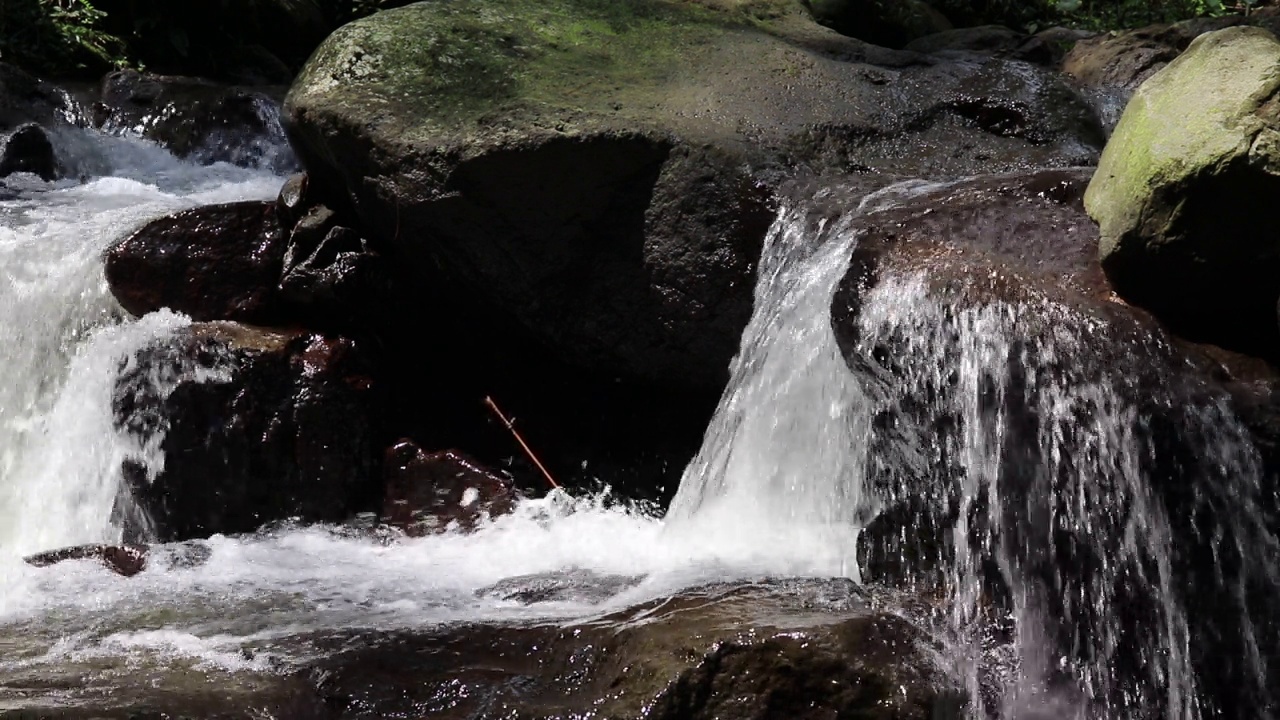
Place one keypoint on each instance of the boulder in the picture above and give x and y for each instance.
(429, 492)
(600, 175)
(25, 99)
(1001, 374)
(194, 118)
(219, 262)
(889, 24)
(125, 560)
(799, 650)
(255, 425)
(1176, 193)
(28, 150)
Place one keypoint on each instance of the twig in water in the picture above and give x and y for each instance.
(527, 451)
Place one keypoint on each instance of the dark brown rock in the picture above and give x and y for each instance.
(294, 200)
(220, 262)
(28, 150)
(258, 425)
(617, 218)
(428, 492)
(126, 560)
(25, 99)
(194, 118)
(802, 650)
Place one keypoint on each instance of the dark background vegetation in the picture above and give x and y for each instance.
(268, 40)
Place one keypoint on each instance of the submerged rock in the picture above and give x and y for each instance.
(255, 425)
(219, 262)
(429, 492)
(28, 150)
(1176, 193)
(126, 560)
(608, 191)
(792, 650)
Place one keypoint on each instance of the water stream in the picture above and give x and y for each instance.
(1031, 476)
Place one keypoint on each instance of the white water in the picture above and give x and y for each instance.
(64, 344)
(782, 486)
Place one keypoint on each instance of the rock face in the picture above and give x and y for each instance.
(219, 262)
(427, 492)
(126, 560)
(992, 351)
(194, 118)
(24, 99)
(601, 176)
(28, 150)
(255, 425)
(1176, 192)
(716, 652)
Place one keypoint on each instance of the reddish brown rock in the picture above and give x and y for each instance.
(126, 560)
(426, 492)
(220, 262)
(258, 425)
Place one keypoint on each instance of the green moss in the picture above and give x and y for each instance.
(456, 61)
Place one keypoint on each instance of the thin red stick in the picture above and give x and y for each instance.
(527, 450)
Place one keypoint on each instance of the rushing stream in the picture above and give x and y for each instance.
(1031, 478)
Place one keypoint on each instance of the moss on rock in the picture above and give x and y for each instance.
(1179, 191)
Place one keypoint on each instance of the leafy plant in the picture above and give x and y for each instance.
(58, 37)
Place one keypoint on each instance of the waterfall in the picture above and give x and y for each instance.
(1059, 491)
(64, 338)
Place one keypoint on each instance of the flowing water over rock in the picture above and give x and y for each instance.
(1046, 482)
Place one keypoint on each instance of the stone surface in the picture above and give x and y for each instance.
(219, 262)
(28, 150)
(25, 99)
(600, 175)
(126, 560)
(801, 650)
(1176, 193)
(194, 118)
(256, 425)
(975, 310)
(430, 492)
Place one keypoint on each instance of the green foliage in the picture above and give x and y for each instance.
(58, 37)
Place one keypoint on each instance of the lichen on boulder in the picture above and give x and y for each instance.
(1181, 192)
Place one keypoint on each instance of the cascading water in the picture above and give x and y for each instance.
(1082, 528)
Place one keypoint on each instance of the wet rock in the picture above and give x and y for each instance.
(973, 311)
(255, 425)
(219, 262)
(294, 200)
(341, 283)
(1111, 66)
(28, 150)
(565, 586)
(985, 39)
(429, 492)
(639, 262)
(769, 651)
(126, 560)
(24, 99)
(194, 118)
(1175, 193)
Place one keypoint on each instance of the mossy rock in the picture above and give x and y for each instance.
(1181, 192)
(600, 172)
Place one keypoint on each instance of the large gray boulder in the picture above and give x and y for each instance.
(1182, 192)
(601, 173)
